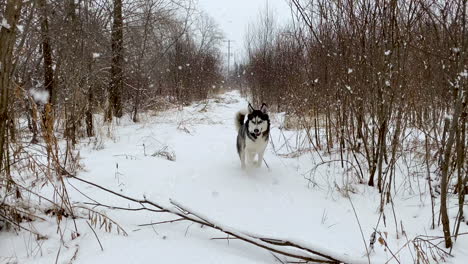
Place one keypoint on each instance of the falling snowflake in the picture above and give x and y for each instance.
(5, 24)
(39, 96)
(464, 74)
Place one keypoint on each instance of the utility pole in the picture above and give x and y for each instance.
(229, 56)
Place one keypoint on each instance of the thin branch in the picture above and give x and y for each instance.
(164, 222)
(360, 229)
(38, 236)
(102, 249)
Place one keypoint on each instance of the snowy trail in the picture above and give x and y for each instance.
(207, 177)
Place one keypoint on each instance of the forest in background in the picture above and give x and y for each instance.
(372, 82)
(65, 62)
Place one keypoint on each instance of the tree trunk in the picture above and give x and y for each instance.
(116, 84)
(89, 107)
(445, 171)
(7, 43)
(47, 52)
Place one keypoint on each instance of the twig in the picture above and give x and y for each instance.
(74, 256)
(223, 238)
(38, 236)
(266, 164)
(277, 258)
(360, 229)
(102, 249)
(96, 204)
(91, 211)
(58, 254)
(164, 222)
(389, 250)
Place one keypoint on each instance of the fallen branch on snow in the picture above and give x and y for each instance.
(278, 246)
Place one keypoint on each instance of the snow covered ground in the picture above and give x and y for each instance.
(206, 176)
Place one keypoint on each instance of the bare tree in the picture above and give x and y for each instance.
(116, 84)
(7, 42)
(366, 77)
(46, 51)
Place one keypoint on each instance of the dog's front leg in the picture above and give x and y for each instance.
(242, 158)
(260, 158)
(250, 158)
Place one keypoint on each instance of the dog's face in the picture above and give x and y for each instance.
(258, 120)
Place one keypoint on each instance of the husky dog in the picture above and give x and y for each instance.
(252, 137)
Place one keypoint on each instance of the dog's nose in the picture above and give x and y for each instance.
(256, 130)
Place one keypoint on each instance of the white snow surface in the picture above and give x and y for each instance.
(5, 24)
(39, 95)
(206, 177)
(20, 28)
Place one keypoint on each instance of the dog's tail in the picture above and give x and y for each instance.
(239, 121)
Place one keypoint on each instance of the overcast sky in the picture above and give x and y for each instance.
(233, 16)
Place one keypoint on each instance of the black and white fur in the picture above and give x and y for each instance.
(253, 135)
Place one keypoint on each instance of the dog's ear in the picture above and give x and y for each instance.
(251, 109)
(263, 108)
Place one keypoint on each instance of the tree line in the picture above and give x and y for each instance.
(64, 63)
(370, 81)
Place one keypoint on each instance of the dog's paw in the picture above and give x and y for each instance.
(257, 164)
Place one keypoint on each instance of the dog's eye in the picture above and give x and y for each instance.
(259, 122)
